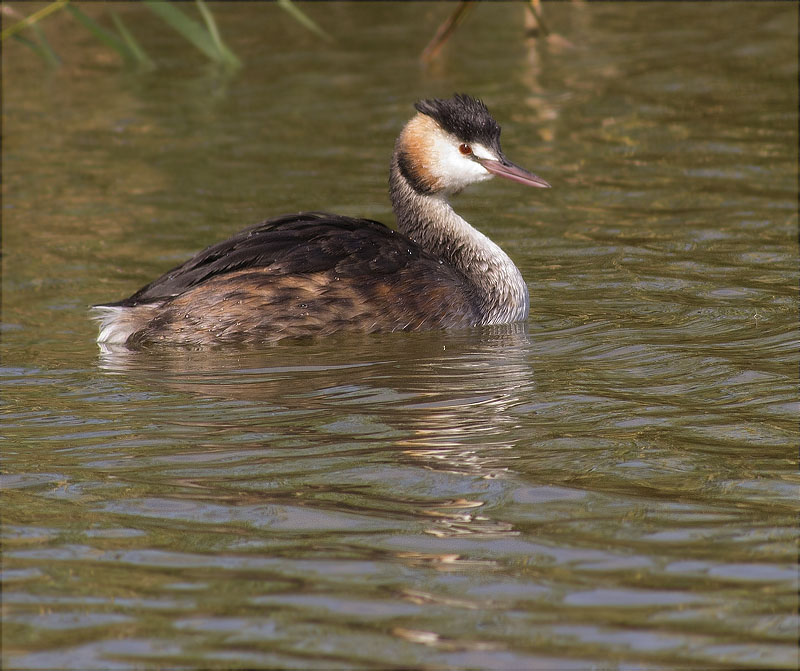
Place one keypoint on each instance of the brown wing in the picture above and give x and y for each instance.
(310, 273)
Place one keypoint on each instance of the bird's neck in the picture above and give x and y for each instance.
(430, 221)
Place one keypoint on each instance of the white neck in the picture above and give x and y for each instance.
(430, 221)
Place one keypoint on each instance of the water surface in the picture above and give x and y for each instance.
(612, 484)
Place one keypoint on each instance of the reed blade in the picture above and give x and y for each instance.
(45, 52)
(105, 36)
(190, 29)
(33, 18)
(135, 48)
(211, 25)
(303, 18)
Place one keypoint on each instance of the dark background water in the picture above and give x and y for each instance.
(614, 484)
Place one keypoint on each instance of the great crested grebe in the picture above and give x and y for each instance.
(314, 273)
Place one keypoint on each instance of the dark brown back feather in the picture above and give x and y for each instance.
(302, 274)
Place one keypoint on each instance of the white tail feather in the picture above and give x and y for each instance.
(117, 323)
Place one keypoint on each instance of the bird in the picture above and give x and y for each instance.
(315, 274)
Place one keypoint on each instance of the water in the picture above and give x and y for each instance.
(613, 484)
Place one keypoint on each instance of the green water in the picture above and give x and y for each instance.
(612, 485)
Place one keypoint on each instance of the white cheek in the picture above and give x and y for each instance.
(454, 170)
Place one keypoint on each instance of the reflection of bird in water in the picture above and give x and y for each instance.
(315, 273)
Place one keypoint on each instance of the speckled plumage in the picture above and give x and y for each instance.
(303, 274)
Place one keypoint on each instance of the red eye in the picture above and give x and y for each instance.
(465, 149)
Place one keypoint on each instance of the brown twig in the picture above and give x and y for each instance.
(445, 30)
(535, 7)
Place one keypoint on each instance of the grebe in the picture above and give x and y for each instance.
(314, 273)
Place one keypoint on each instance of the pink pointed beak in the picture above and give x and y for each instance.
(509, 170)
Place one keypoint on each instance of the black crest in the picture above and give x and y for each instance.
(465, 117)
